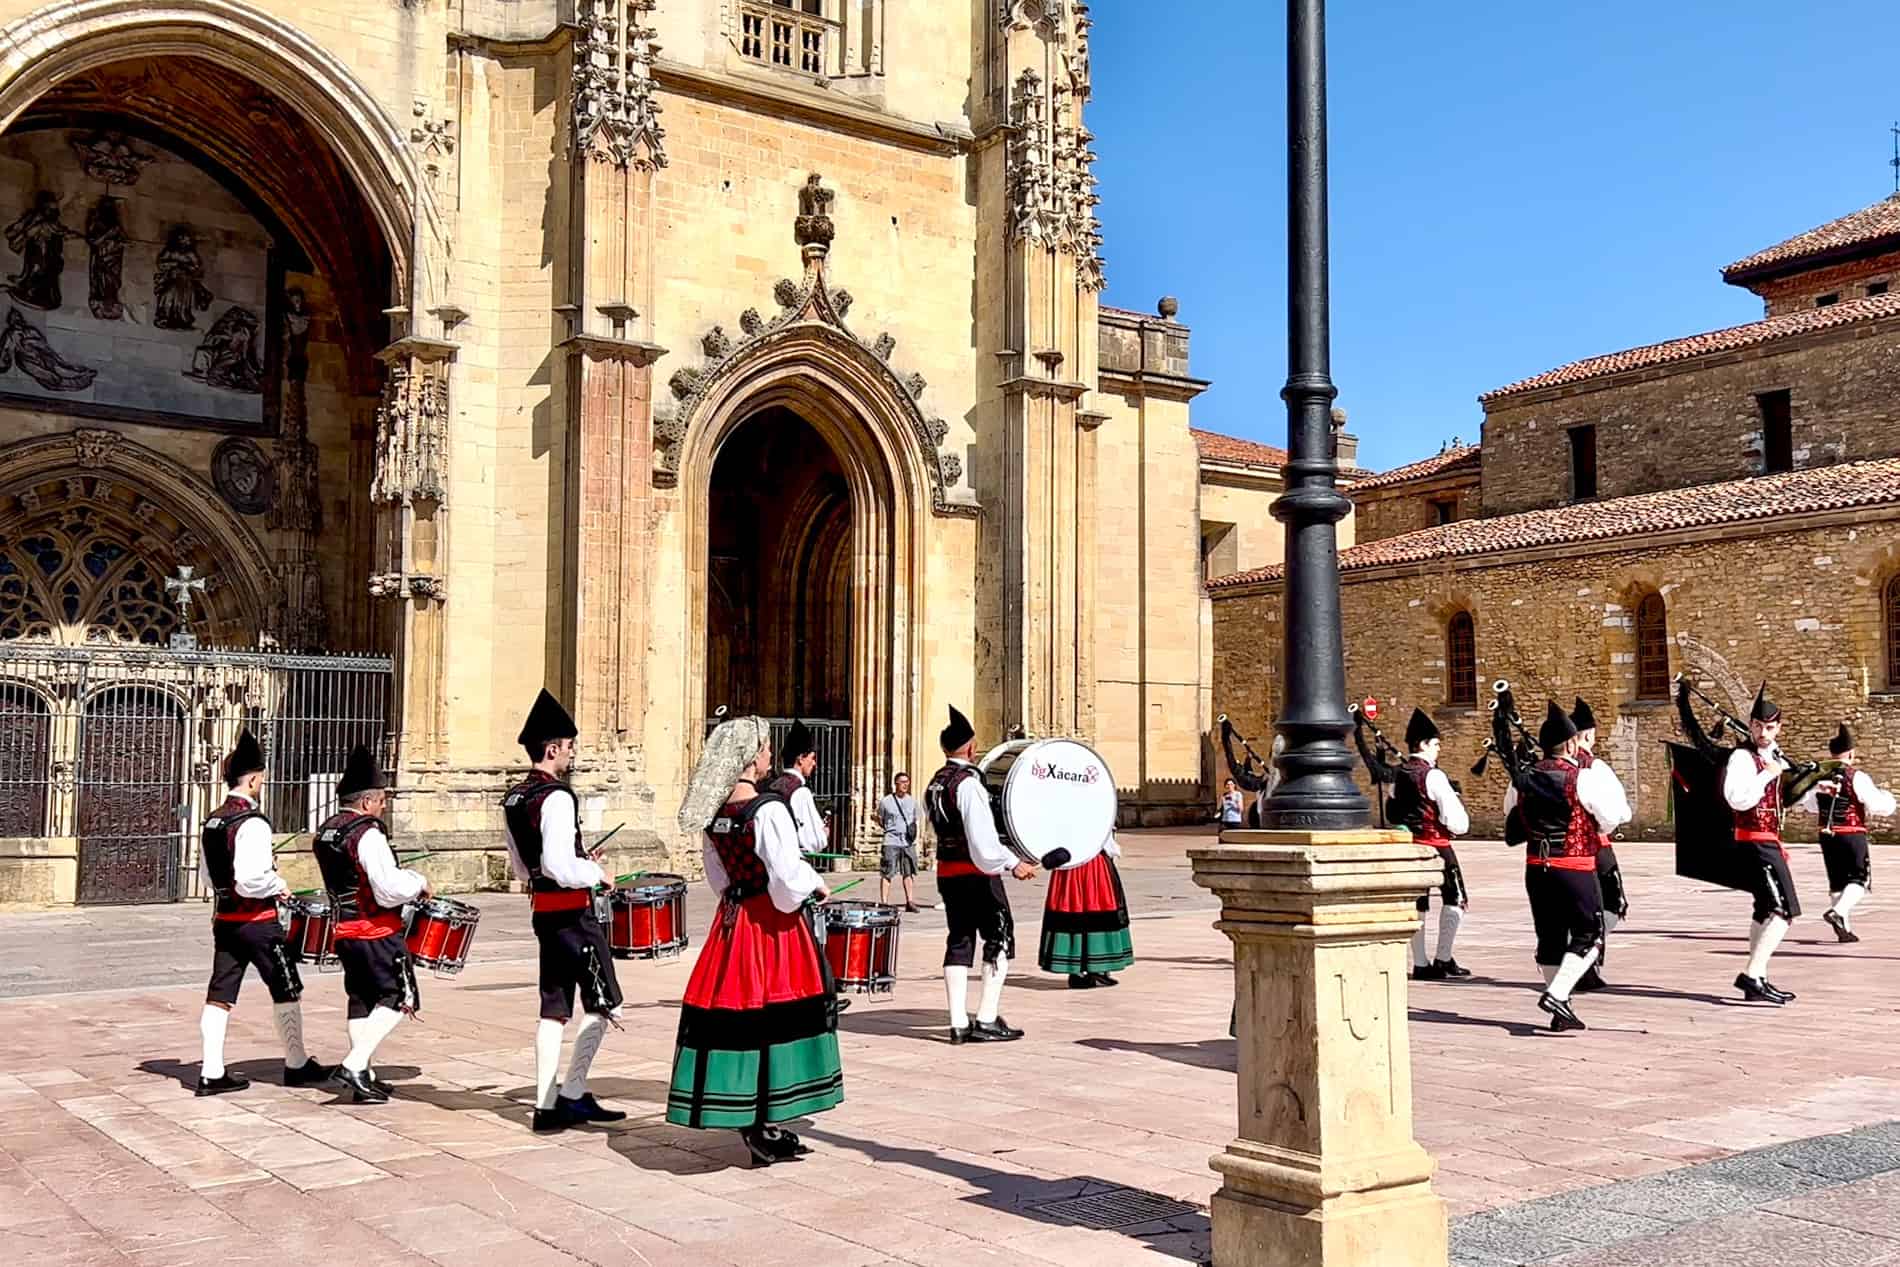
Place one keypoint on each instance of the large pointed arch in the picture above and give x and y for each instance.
(65, 39)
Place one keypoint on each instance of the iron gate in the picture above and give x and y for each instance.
(119, 748)
(831, 781)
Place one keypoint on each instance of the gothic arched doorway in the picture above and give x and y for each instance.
(778, 629)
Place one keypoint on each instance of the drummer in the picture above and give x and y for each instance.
(971, 863)
(793, 784)
(367, 893)
(758, 1037)
(544, 850)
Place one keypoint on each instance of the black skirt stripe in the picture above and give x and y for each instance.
(755, 1029)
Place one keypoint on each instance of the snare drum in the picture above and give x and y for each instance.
(648, 920)
(310, 931)
(440, 932)
(861, 946)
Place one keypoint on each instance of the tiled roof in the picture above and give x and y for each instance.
(1466, 455)
(1216, 447)
(1806, 321)
(1763, 497)
(1861, 228)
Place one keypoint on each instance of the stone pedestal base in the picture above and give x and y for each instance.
(1325, 1172)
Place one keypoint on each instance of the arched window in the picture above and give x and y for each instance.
(1652, 648)
(1461, 661)
(1892, 622)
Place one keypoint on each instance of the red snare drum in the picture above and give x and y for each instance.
(440, 933)
(861, 945)
(648, 921)
(310, 931)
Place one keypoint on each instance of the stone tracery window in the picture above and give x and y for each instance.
(79, 576)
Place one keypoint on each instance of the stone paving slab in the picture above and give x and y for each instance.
(942, 1156)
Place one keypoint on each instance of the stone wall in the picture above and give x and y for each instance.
(1700, 423)
(1801, 608)
(1397, 509)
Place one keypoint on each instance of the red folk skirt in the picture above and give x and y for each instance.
(1085, 921)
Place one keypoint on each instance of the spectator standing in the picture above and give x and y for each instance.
(898, 812)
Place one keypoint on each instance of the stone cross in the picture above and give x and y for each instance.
(181, 588)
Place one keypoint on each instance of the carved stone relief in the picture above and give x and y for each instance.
(412, 433)
(23, 347)
(105, 264)
(39, 236)
(110, 157)
(802, 305)
(243, 476)
(178, 287)
(615, 113)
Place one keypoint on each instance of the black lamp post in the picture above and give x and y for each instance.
(1316, 789)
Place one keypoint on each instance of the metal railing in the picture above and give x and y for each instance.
(121, 749)
(831, 781)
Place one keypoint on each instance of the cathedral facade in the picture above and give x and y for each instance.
(367, 366)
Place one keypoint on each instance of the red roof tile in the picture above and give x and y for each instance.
(1216, 447)
(1867, 226)
(1806, 321)
(1466, 455)
(1763, 497)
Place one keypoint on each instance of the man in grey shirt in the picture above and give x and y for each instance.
(898, 813)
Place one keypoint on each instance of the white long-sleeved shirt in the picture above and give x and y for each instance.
(560, 833)
(789, 879)
(392, 885)
(1876, 802)
(1600, 793)
(806, 820)
(988, 853)
(1451, 810)
(253, 870)
(1742, 785)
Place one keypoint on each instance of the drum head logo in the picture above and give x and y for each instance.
(1050, 770)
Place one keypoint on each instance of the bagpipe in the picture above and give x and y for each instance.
(1706, 848)
(1512, 743)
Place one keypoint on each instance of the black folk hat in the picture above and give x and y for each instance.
(1556, 730)
(246, 758)
(957, 733)
(1581, 717)
(361, 773)
(1419, 729)
(1843, 741)
(799, 741)
(547, 721)
(1765, 709)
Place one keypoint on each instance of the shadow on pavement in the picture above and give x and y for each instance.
(1185, 1236)
(1208, 1053)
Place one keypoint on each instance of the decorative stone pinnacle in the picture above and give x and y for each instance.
(814, 229)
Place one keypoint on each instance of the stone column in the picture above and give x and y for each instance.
(618, 146)
(1324, 1172)
(301, 620)
(1043, 190)
(409, 570)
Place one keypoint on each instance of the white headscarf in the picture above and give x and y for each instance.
(729, 750)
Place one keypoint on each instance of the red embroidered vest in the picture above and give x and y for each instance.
(1426, 827)
(1763, 823)
(358, 913)
(735, 838)
(1562, 834)
(1842, 814)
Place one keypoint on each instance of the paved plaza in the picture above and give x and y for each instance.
(1683, 1128)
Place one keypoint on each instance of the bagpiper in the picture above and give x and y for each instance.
(1616, 902)
(1425, 802)
(1844, 803)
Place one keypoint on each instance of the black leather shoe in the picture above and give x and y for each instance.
(308, 1074)
(996, 1031)
(784, 1144)
(379, 1084)
(1081, 981)
(558, 1118)
(839, 1005)
(1754, 991)
(1450, 969)
(1841, 931)
(1427, 972)
(222, 1085)
(958, 1037)
(1775, 993)
(1102, 978)
(585, 1108)
(1561, 1017)
(761, 1149)
(1591, 981)
(363, 1090)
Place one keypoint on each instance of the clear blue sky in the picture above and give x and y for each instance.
(1514, 185)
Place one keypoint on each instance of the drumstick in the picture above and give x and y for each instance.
(302, 892)
(416, 857)
(285, 843)
(848, 884)
(631, 875)
(602, 842)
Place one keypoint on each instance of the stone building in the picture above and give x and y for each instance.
(366, 365)
(1725, 505)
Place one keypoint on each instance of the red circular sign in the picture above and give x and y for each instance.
(1370, 708)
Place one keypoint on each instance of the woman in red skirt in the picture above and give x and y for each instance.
(758, 1037)
(1085, 923)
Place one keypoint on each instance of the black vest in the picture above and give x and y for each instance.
(940, 802)
(522, 810)
(734, 835)
(219, 844)
(782, 785)
(350, 893)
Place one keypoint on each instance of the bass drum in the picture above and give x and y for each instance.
(1050, 795)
